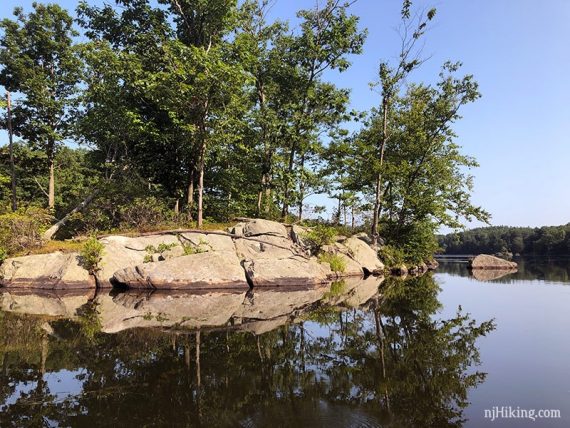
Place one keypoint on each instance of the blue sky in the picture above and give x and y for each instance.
(518, 131)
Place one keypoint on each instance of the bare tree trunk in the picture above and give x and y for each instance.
(268, 194)
(11, 148)
(48, 234)
(201, 186)
(301, 188)
(51, 186)
(191, 193)
(378, 195)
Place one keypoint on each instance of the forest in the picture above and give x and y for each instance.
(145, 114)
(541, 241)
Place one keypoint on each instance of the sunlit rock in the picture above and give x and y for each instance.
(209, 270)
(46, 271)
(485, 261)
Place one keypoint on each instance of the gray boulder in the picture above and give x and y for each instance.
(46, 271)
(296, 270)
(362, 253)
(485, 261)
(121, 252)
(209, 270)
(265, 227)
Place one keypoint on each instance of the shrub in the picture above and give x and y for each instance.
(3, 254)
(91, 254)
(336, 262)
(391, 256)
(22, 230)
(144, 213)
(319, 236)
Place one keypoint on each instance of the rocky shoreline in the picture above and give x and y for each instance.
(253, 253)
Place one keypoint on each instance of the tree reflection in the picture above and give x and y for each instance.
(389, 363)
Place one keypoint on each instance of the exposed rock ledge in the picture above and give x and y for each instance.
(254, 253)
(485, 261)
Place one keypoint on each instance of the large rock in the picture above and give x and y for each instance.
(166, 309)
(485, 261)
(362, 253)
(352, 267)
(46, 271)
(209, 270)
(296, 270)
(52, 303)
(121, 252)
(266, 247)
(208, 242)
(265, 227)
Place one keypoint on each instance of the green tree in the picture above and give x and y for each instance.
(40, 65)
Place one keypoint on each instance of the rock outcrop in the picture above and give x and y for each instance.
(208, 270)
(265, 272)
(122, 251)
(362, 253)
(485, 261)
(258, 253)
(54, 271)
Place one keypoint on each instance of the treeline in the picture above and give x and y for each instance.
(188, 111)
(547, 240)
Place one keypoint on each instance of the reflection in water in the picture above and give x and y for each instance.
(555, 269)
(341, 355)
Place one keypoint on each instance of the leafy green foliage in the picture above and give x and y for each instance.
(21, 230)
(91, 254)
(547, 240)
(335, 261)
(319, 236)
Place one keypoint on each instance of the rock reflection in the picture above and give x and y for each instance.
(351, 354)
(491, 274)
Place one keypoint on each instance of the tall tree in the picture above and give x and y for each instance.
(327, 36)
(39, 63)
(390, 80)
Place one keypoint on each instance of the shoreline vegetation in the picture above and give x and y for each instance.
(251, 254)
(131, 117)
(509, 241)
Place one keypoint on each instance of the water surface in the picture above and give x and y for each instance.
(431, 351)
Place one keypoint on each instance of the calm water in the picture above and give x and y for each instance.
(433, 351)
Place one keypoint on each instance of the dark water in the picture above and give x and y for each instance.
(431, 351)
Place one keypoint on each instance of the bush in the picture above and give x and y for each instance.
(391, 256)
(3, 254)
(91, 254)
(336, 262)
(319, 236)
(22, 230)
(144, 213)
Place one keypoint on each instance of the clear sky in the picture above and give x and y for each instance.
(519, 52)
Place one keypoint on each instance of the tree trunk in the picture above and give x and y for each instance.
(11, 148)
(48, 234)
(285, 209)
(268, 195)
(51, 187)
(301, 188)
(201, 186)
(378, 196)
(191, 193)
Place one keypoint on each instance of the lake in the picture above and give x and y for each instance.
(431, 351)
